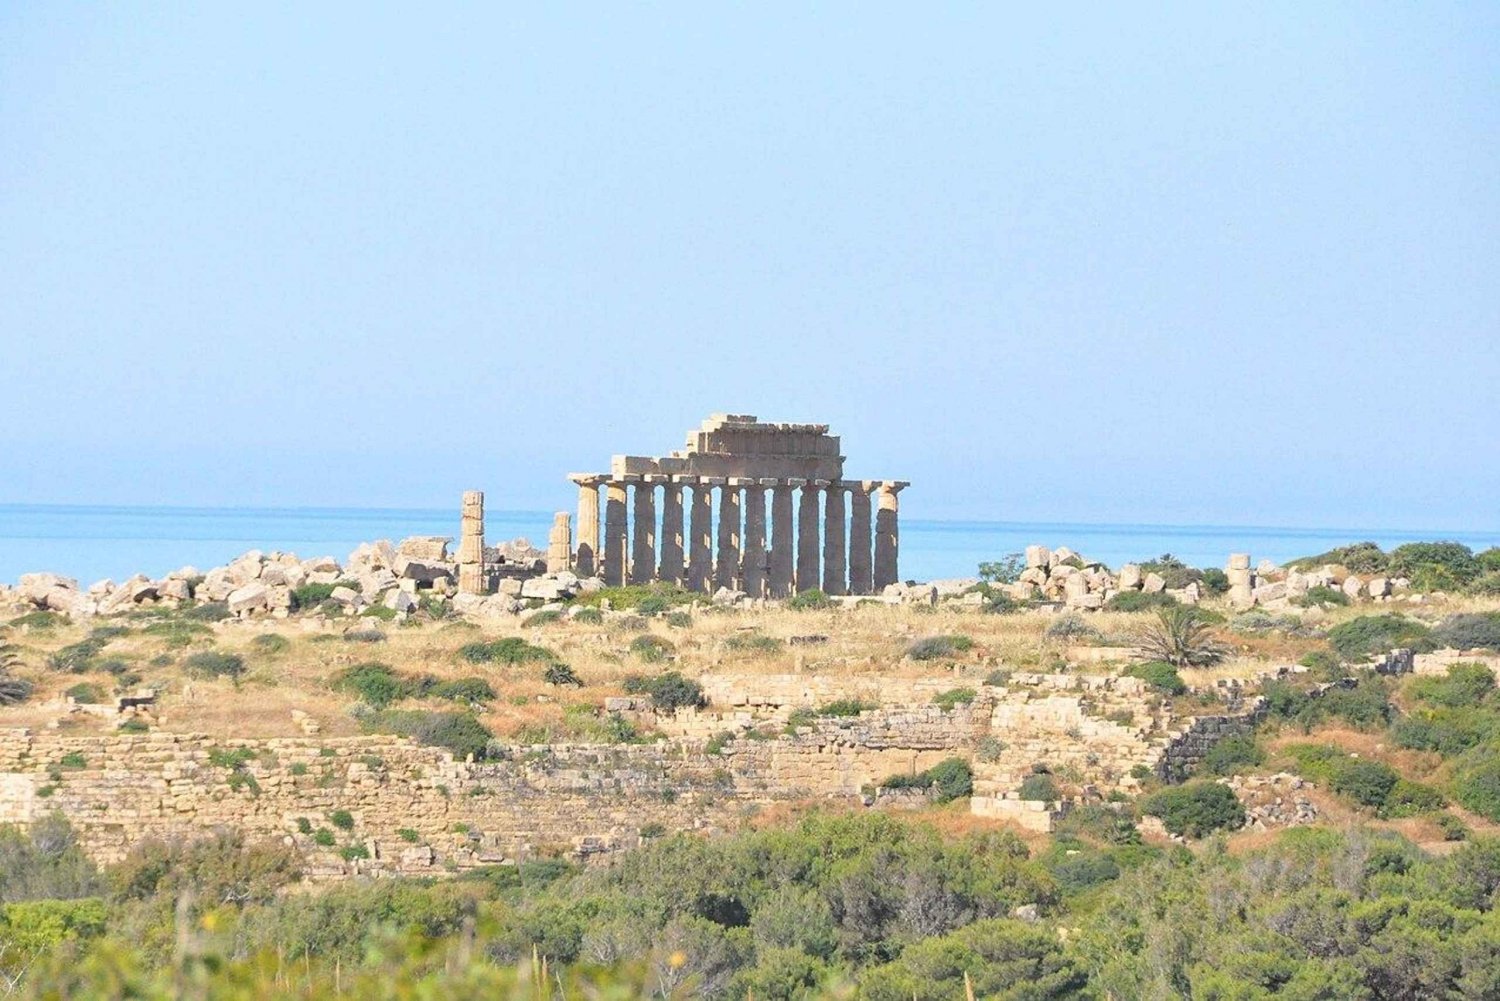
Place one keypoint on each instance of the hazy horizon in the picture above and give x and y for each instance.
(1206, 265)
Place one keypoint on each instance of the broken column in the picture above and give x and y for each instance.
(1241, 581)
(560, 543)
(471, 544)
(807, 535)
(888, 534)
(586, 563)
(779, 566)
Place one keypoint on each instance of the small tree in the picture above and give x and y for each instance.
(1180, 637)
(1006, 570)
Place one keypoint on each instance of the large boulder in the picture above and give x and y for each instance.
(1154, 583)
(253, 597)
(549, 588)
(1130, 577)
(426, 548)
(425, 571)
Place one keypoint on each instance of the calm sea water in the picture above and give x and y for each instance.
(90, 543)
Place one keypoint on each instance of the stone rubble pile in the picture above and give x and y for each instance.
(1061, 575)
(1274, 801)
(257, 583)
(1272, 587)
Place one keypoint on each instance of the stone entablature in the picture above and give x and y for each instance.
(840, 536)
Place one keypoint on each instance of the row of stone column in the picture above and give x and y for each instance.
(835, 546)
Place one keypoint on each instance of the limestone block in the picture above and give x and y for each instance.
(1038, 557)
(510, 587)
(1267, 593)
(424, 570)
(1241, 596)
(1378, 587)
(1130, 577)
(249, 598)
(100, 588)
(344, 595)
(274, 576)
(1033, 576)
(1353, 585)
(1154, 583)
(326, 564)
(425, 548)
(547, 589)
(1238, 561)
(1060, 555)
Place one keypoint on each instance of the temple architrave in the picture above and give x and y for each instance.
(659, 521)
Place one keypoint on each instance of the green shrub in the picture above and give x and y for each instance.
(1319, 595)
(810, 600)
(561, 674)
(1180, 636)
(1476, 781)
(1464, 686)
(73, 759)
(1215, 581)
(935, 647)
(351, 852)
(542, 618)
(1447, 731)
(1232, 754)
(458, 732)
(1453, 829)
(1139, 601)
(1362, 557)
(954, 697)
(592, 617)
(365, 635)
(753, 642)
(652, 649)
(952, 778)
(1469, 631)
(77, 657)
(509, 650)
(1071, 627)
(1487, 583)
(1368, 783)
(1006, 570)
(677, 620)
(342, 819)
(39, 621)
(999, 678)
(474, 691)
(86, 692)
(1159, 675)
(271, 643)
(376, 684)
(1369, 635)
(1323, 665)
(1039, 786)
(209, 611)
(845, 708)
(669, 692)
(215, 664)
(1411, 799)
(630, 597)
(134, 725)
(1196, 809)
(408, 835)
(312, 595)
(1434, 565)
(323, 836)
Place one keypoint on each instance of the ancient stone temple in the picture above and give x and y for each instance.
(660, 521)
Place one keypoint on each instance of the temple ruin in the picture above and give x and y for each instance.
(831, 542)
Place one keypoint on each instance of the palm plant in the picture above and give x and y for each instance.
(12, 689)
(1180, 636)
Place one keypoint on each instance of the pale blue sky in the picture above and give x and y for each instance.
(1232, 264)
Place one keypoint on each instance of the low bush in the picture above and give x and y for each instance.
(342, 819)
(1469, 631)
(1476, 781)
(1196, 809)
(753, 642)
(657, 596)
(271, 643)
(1361, 557)
(1368, 783)
(376, 684)
(1039, 786)
(1159, 675)
(311, 595)
(1321, 595)
(1215, 581)
(474, 691)
(954, 697)
(1434, 565)
(589, 617)
(215, 664)
(1139, 601)
(508, 650)
(1072, 628)
(1323, 665)
(77, 658)
(677, 620)
(845, 707)
(542, 618)
(561, 674)
(652, 649)
(1368, 635)
(364, 636)
(810, 600)
(209, 611)
(459, 732)
(669, 692)
(952, 778)
(1232, 754)
(86, 692)
(934, 647)
(1464, 686)
(39, 621)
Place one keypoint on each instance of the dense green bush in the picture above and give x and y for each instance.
(1215, 581)
(1159, 675)
(810, 600)
(459, 732)
(1434, 565)
(508, 650)
(208, 611)
(1476, 781)
(652, 649)
(1469, 631)
(753, 641)
(1139, 601)
(1366, 782)
(376, 684)
(1362, 557)
(1038, 786)
(935, 647)
(1464, 686)
(79, 657)
(1172, 570)
(215, 664)
(669, 692)
(588, 617)
(952, 778)
(657, 596)
(86, 692)
(1321, 594)
(1232, 754)
(1370, 635)
(1196, 809)
(271, 643)
(954, 697)
(845, 707)
(474, 691)
(561, 674)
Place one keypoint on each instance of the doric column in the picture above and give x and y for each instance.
(834, 570)
(860, 567)
(808, 543)
(753, 564)
(586, 562)
(560, 544)
(887, 534)
(471, 544)
(780, 563)
(643, 531)
(671, 531)
(700, 534)
(727, 570)
(613, 560)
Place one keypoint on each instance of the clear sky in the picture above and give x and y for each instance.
(1235, 264)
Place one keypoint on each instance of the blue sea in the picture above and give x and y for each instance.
(90, 543)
